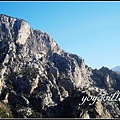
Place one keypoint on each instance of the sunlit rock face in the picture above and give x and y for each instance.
(38, 78)
(14, 29)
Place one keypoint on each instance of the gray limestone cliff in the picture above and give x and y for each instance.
(39, 79)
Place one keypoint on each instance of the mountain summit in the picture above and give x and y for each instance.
(39, 79)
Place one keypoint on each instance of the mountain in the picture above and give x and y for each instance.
(117, 69)
(39, 79)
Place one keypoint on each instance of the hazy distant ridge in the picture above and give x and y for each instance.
(117, 68)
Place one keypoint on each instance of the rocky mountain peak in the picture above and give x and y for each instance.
(38, 78)
(22, 46)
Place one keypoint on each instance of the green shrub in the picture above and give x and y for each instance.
(36, 114)
(30, 72)
(84, 89)
(4, 114)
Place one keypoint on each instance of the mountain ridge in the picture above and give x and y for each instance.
(117, 68)
(39, 79)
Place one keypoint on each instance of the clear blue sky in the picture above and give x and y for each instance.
(88, 29)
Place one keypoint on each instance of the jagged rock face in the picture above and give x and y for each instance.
(38, 78)
(106, 78)
(19, 41)
(14, 29)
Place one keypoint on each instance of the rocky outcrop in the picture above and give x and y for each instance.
(38, 78)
